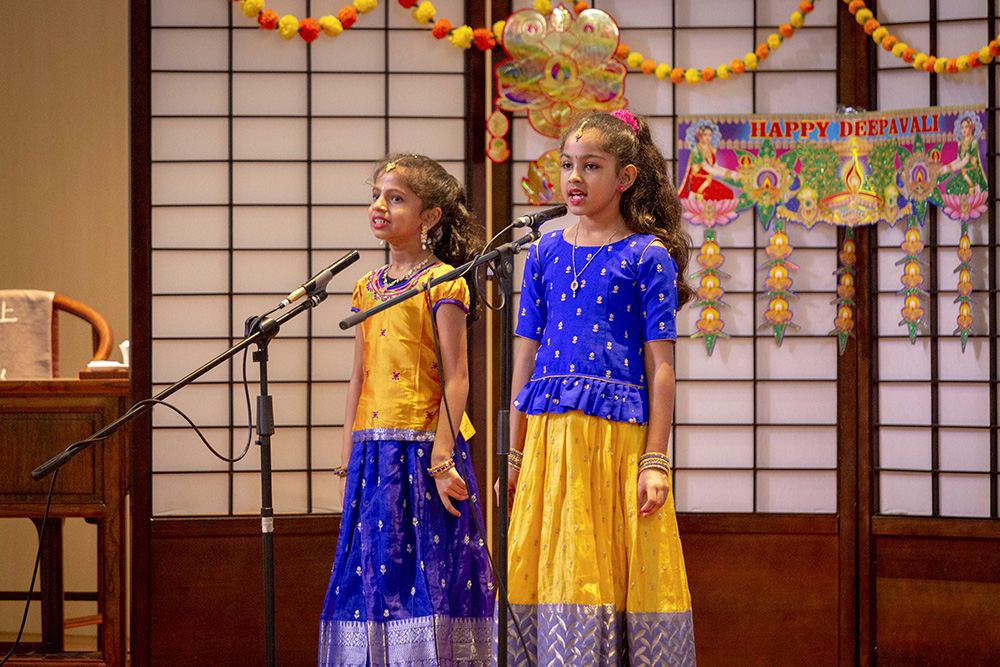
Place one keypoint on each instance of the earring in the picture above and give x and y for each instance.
(621, 188)
(423, 238)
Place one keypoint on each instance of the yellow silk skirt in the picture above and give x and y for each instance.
(576, 536)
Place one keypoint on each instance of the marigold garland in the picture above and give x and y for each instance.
(929, 63)
(736, 66)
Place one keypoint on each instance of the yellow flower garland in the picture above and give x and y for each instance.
(929, 63)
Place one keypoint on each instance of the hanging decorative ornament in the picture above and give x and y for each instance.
(767, 180)
(778, 283)
(541, 185)
(912, 279)
(497, 127)
(844, 322)
(559, 66)
(710, 292)
(964, 271)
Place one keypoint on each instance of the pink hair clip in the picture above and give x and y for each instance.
(626, 116)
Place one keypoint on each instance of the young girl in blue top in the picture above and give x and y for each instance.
(596, 574)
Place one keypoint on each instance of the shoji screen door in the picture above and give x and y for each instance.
(262, 151)
(755, 424)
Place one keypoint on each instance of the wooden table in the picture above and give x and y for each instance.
(39, 419)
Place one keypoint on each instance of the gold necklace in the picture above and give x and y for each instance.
(390, 282)
(575, 285)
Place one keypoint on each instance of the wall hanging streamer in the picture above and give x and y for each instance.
(839, 169)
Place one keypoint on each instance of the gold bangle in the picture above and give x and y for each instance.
(515, 457)
(654, 465)
(340, 471)
(444, 467)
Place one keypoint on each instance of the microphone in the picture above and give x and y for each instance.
(320, 280)
(535, 219)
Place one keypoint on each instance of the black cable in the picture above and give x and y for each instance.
(462, 473)
(34, 571)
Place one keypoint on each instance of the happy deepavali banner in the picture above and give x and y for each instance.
(838, 169)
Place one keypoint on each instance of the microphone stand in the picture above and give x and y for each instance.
(504, 271)
(259, 331)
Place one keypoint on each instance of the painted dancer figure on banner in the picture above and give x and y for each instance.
(966, 191)
(596, 574)
(703, 194)
(411, 581)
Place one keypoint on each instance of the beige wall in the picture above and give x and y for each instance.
(64, 163)
(64, 212)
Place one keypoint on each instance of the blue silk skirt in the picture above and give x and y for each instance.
(411, 584)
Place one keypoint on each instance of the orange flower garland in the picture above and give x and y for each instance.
(929, 63)
(736, 66)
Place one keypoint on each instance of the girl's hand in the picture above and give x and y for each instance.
(451, 485)
(653, 487)
(512, 476)
(342, 482)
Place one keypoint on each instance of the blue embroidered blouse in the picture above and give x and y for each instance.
(590, 356)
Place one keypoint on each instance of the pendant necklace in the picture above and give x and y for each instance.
(392, 282)
(575, 285)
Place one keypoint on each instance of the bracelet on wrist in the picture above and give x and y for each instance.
(434, 471)
(340, 471)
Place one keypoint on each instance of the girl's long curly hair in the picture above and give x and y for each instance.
(457, 236)
(651, 205)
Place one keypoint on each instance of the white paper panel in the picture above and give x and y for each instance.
(289, 402)
(889, 317)
(821, 236)
(649, 95)
(206, 405)
(793, 92)
(905, 493)
(795, 359)
(889, 274)
(740, 264)
(965, 495)
(185, 495)
(264, 50)
(326, 444)
(662, 131)
(332, 359)
(190, 94)
(328, 400)
(796, 447)
(190, 183)
(341, 183)
(627, 13)
(182, 449)
(964, 449)
(326, 318)
(890, 237)
(917, 36)
(967, 91)
(439, 139)
(736, 97)
(898, 11)
(709, 13)
(348, 94)
(190, 227)
(808, 49)
(899, 359)
(270, 183)
(905, 448)
(190, 139)
(342, 226)
(189, 271)
(326, 493)
(189, 50)
(270, 139)
(269, 271)
(776, 12)
(270, 227)
(715, 403)
(526, 142)
(795, 491)
(288, 450)
(731, 360)
(904, 404)
(654, 45)
(348, 139)
(189, 316)
(344, 282)
(187, 13)
(903, 89)
(286, 360)
(408, 94)
(713, 447)
(796, 403)
(350, 51)
(288, 492)
(173, 359)
(713, 491)
(815, 272)
(269, 94)
(948, 262)
(964, 404)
